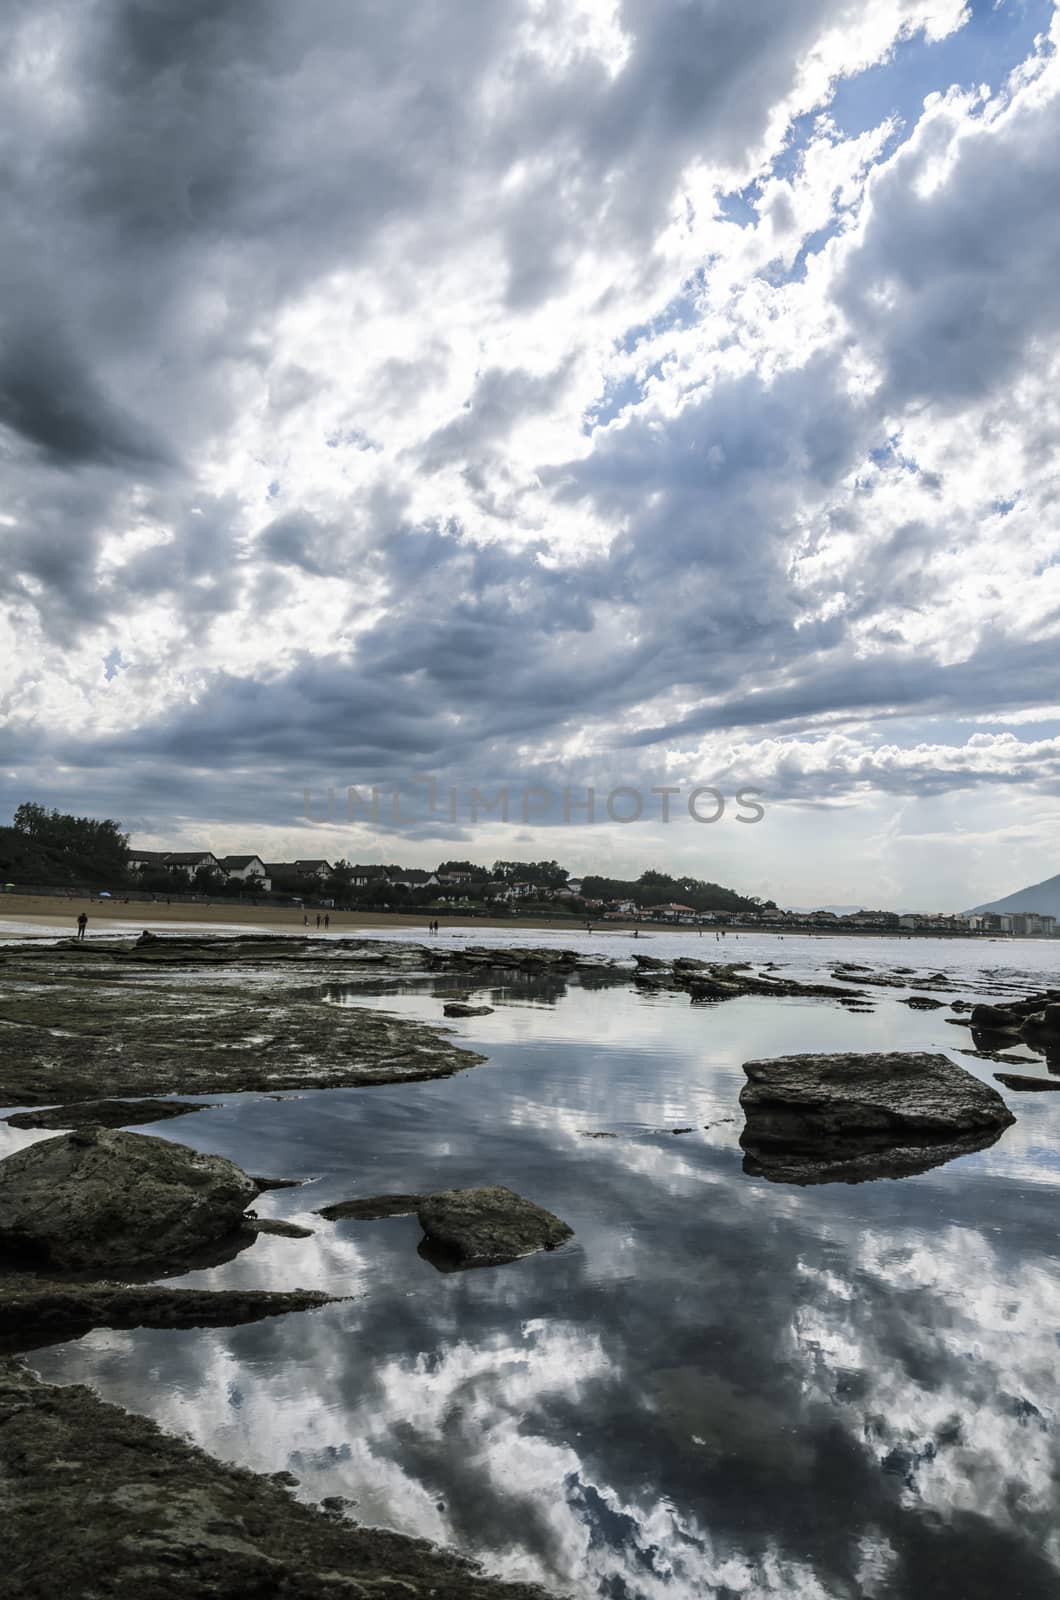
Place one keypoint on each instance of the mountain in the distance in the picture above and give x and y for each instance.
(1041, 897)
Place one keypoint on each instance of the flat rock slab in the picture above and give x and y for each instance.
(73, 1030)
(165, 1520)
(279, 1228)
(37, 1311)
(105, 1113)
(875, 1109)
(101, 1198)
(457, 1008)
(372, 1207)
(486, 1226)
(1026, 1080)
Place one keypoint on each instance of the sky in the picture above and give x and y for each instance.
(538, 395)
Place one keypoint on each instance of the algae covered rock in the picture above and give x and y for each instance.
(105, 1113)
(101, 1198)
(484, 1227)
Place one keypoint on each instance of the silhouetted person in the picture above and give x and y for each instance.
(82, 924)
(327, 921)
(318, 919)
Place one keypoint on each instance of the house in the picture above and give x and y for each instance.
(189, 862)
(148, 860)
(362, 876)
(247, 869)
(674, 913)
(414, 878)
(314, 869)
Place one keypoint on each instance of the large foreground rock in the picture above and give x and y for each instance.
(98, 1502)
(815, 1118)
(483, 1227)
(100, 1198)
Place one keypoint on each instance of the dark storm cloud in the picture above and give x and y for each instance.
(49, 398)
(949, 288)
(177, 175)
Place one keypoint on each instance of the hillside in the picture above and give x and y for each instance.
(1041, 897)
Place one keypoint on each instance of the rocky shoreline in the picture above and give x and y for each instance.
(96, 1500)
(87, 1029)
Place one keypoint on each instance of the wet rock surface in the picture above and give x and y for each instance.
(278, 1228)
(102, 1198)
(105, 1113)
(457, 1008)
(850, 1116)
(372, 1207)
(1026, 1080)
(37, 1311)
(487, 1226)
(204, 1016)
(168, 1522)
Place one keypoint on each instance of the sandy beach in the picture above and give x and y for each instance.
(24, 914)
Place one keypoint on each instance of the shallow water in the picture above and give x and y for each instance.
(721, 1386)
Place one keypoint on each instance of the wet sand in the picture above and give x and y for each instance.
(23, 914)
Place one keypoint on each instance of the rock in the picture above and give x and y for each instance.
(1026, 1080)
(922, 1002)
(99, 1198)
(36, 1311)
(832, 1112)
(282, 1230)
(105, 1113)
(372, 1207)
(1044, 1024)
(73, 1030)
(728, 982)
(486, 1226)
(993, 1019)
(457, 1008)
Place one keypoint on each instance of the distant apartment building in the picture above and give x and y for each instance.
(1032, 924)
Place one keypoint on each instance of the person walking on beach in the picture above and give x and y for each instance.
(318, 919)
(82, 924)
(327, 921)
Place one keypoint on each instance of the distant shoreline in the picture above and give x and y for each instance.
(60, 914)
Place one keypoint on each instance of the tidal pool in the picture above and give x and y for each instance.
(721, 1386)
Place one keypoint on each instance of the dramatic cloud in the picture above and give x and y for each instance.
(567, 391)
